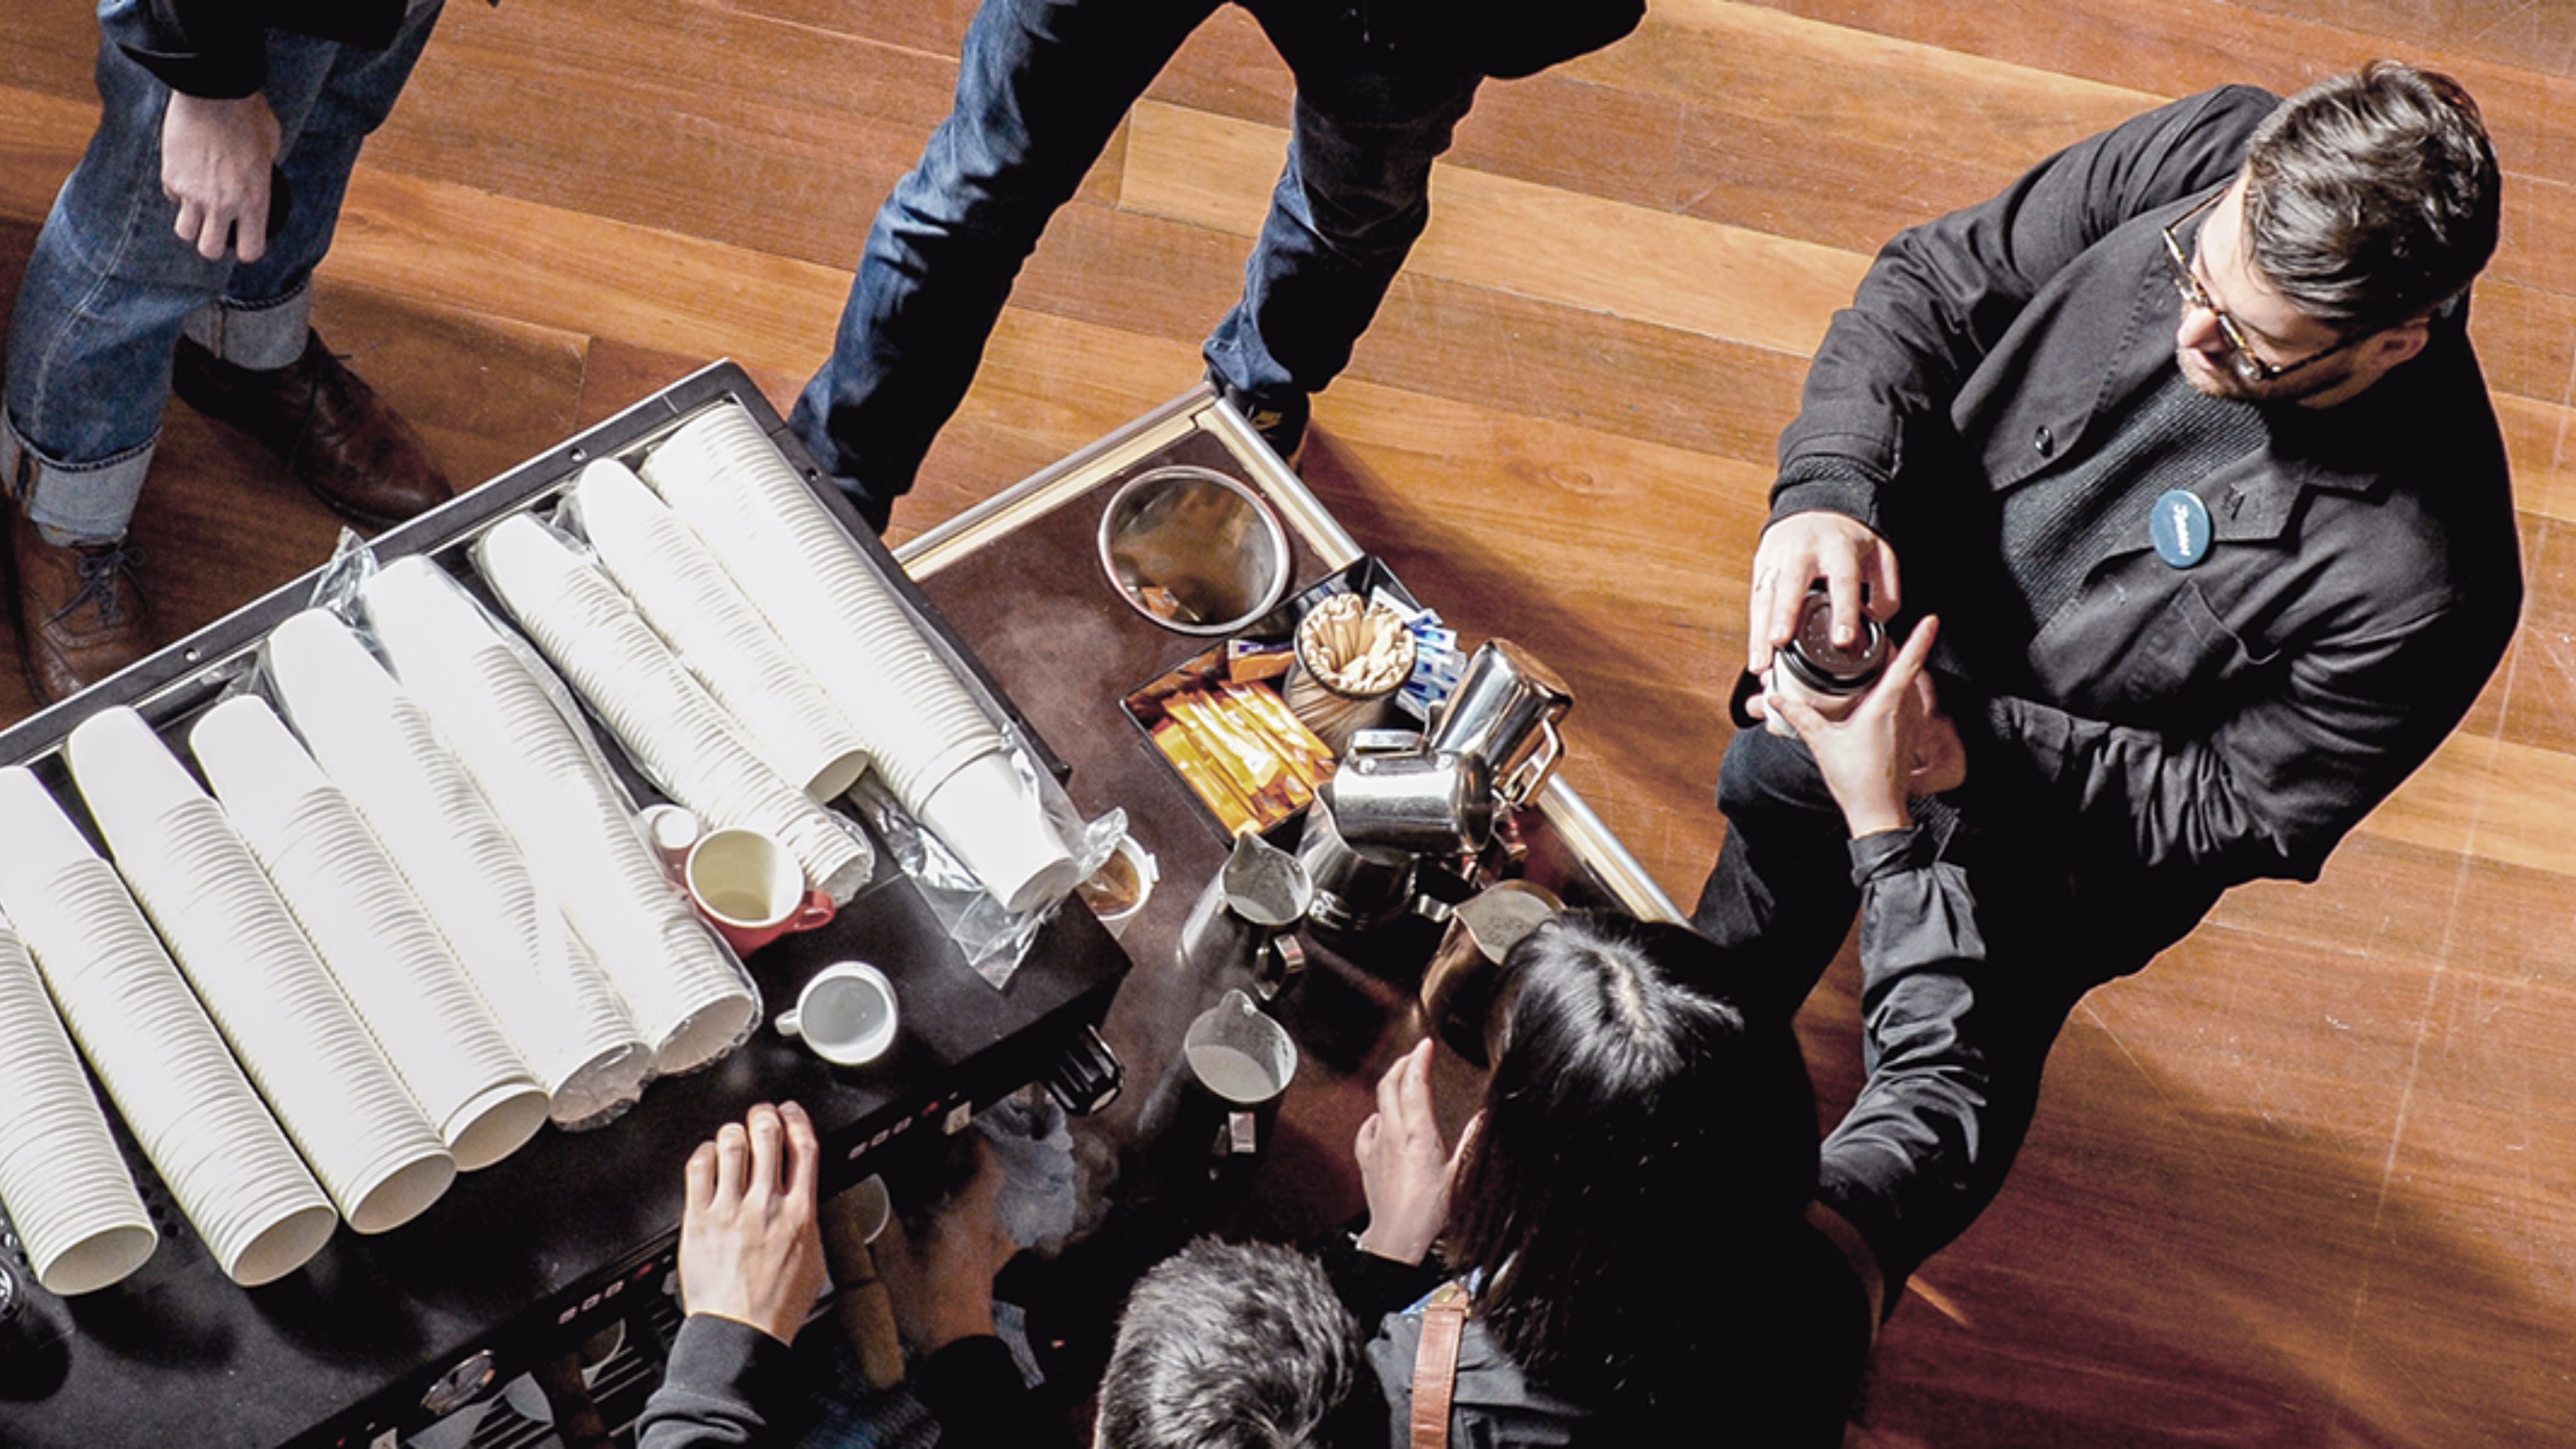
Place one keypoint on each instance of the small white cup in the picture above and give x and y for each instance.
(1120, 888)
(672, 831)
(845, 1015)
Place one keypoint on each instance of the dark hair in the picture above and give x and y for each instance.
(1645, 1140)
(2372, 198)
(1234, 1346)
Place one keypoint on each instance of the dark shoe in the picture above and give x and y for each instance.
(81, 612)
(1281, 424)
(353, 451)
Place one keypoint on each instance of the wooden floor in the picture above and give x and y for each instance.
(2310, 1180)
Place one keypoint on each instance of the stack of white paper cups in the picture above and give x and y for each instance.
(672, 726)
(937, 750)
(149, 1040)
(371, 933)
(374, 742)
(691, 1004)
(689, 599)
(350, 1116)
(65, 1184)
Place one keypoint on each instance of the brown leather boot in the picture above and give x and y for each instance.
(341, 440)
(81, 612)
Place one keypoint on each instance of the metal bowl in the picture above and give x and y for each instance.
(1194, 550)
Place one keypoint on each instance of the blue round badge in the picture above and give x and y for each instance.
(2180, 527)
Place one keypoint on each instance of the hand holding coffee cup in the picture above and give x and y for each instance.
(845, 1015)
(750, 888)
(1869, 751)
(1855, 566)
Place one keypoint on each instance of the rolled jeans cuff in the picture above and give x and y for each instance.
(262, 336)
(74, 502)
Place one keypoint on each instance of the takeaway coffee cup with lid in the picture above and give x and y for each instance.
(1821, 666)
(845, 1015)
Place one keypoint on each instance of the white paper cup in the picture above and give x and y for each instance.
(69, 1194)
(1119, 889)
(684, 592)
(372, 933)
(828, 603)
(378, 745)
(845, 1015)
(994, 822)
(296, 1036)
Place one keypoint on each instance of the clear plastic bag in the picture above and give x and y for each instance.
(993, 939)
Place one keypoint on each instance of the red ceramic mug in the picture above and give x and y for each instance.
(749, 887)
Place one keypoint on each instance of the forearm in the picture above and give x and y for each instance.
(1914, 1159)
(1371, 1286)
(726, 1383)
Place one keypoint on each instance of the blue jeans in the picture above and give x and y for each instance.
(1041, 86)
(110, 288)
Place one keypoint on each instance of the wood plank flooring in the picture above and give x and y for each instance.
(2311, 1179)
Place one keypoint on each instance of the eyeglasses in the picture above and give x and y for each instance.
(2241, 358)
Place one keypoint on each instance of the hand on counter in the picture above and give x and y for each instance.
(942, 1277)
(750, 1247)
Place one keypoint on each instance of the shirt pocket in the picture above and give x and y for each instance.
(2177, 664)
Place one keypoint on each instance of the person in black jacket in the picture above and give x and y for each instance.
(2183, 437)
(752, 1264)
(1042, 84)
(192, 226)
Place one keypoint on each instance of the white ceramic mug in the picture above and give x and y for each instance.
(749, 886)
(845, 1015)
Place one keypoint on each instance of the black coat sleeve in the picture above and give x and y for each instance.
(218, 49)
(1941, 296)
(1906, 1164)
(727, 1383)
(974, 1389)
(206, 48)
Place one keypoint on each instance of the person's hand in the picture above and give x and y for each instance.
(1797, 551)
(1404, 1168)
(1940, 758)
(215, 161)
(750, 1249)
(942, 1281)
(1872, 753)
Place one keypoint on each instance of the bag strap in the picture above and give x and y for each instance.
(1435, 1366)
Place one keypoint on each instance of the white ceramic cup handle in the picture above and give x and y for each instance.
(787, 1023)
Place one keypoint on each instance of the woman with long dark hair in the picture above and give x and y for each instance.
(1631, 1217)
